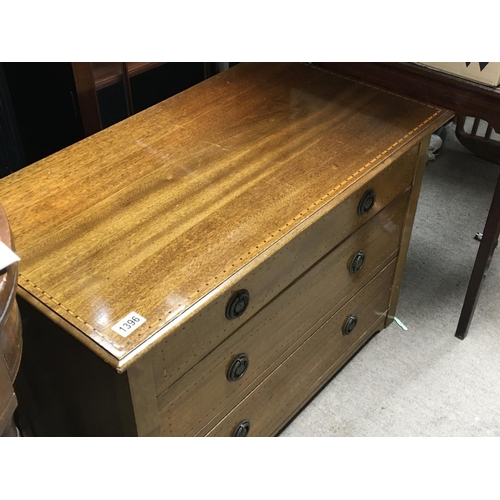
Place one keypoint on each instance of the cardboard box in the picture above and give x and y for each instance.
(484, 72)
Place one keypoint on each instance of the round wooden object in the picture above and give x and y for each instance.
(10, 335)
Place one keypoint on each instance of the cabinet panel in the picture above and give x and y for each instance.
(265, 339)
(280, 394)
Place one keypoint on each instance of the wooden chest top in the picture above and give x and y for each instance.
(155, 213)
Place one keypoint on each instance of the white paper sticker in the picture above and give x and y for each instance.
(128, 324)
(7, 256)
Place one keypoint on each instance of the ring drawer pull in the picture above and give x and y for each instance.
(350, 324)
(238, 304)
(242, 429)
(367, 202)
(357, 262)
(238, 367)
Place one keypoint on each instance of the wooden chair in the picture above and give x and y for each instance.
(481, 140)
(92, 78)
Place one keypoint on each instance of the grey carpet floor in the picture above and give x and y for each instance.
(424, 381)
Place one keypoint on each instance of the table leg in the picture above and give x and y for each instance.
(483, 259)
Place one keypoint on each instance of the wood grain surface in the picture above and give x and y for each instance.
(154, 214)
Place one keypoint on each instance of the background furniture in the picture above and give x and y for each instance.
(49, 106)
(111, 91)
(11, 151)
(465, 98)
(45, 114)
(479, 139)
(10, 336)
(204, 267)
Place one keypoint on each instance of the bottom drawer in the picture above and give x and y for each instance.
(272, 403)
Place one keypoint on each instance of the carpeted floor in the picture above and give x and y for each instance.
(424, 381)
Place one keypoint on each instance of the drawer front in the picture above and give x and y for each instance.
(278, 397)
(201, 330)
(239, 363)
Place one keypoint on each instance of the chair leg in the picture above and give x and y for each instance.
(487, 246)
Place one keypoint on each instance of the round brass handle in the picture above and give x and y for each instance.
(238, 367)
(242, 429)
(350, 324)
(357, 262)
(238, 304)
(367, 202)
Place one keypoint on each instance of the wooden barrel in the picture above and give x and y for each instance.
(10, 336)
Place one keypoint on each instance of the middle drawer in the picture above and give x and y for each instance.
(237, 365)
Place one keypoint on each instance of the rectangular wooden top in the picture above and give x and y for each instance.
(154, 213)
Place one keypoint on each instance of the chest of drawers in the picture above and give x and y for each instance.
(205, 266)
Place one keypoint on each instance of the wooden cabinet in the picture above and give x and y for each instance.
(205, 266)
